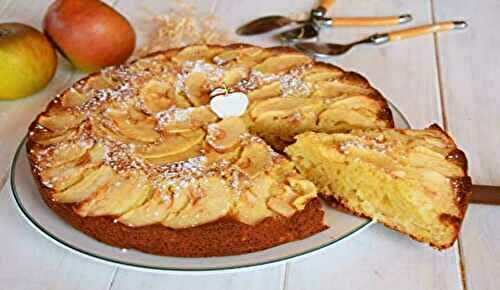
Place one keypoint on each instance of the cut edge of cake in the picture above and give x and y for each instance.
(459, 185)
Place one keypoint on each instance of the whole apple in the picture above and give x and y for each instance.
(27, 60)
(89, 33)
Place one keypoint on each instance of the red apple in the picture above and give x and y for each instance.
(89, 33)
(27, 60)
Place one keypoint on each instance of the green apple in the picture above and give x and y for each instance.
(89, 33)
(27, 60)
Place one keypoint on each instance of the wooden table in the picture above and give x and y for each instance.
(449, 79)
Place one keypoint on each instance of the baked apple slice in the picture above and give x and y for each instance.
(93, 181)
(329, 89)
(282, 63)
(171, 145)
(63, 176)
(213, 202)
(62, 120)
(73, 98)
(197, 52)
(283, 106)
(123, 194)
(139, 129)
(175, 120)
(251, 208)
(226, 134)
(197, 88)
(151, 212)
(255, 158)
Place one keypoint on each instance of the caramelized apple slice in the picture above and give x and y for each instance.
(73, 98)
(226, 134)
(329, 89)
(67, 174)
(251, 208)
(92, 182)
(321, 73)
(193, 151)
(233, 75)
(255, 158)
(180, 100)
(50, 138)
(123, 194)
(197, 88)
(283, 105)
(281, 207)
(340, 120)
(106, 130)
(141, 130)
(155, 96)
(96, 82)
(171, 144)
(305, 189)
(66, 152)
(282, 63)
(196, 52)
(237, 55)
(266, 91)
(177, 120)
(180, 199)
(61, 120)
(214, 157)
(151, 212)
(215, 202)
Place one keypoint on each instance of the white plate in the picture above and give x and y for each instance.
(32, 207)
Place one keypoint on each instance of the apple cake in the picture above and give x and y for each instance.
(414, 181)
(136, 157)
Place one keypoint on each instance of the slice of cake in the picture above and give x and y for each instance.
(414, 181)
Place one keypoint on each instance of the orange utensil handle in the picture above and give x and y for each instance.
(426, 29)
(371, 21)
(326, 4)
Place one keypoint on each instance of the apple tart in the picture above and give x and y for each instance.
(136, 156)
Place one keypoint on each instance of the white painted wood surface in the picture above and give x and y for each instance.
(413, 74)
(470, 67)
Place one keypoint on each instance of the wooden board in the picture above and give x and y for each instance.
(469, 68)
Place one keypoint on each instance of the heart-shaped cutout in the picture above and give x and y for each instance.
(229, 105)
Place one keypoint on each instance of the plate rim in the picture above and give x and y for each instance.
(109, 261)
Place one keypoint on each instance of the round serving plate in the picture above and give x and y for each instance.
(37, 214)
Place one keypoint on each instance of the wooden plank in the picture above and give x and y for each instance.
(376, 259)
(270, 278)
(29, 261)
(470, 66)
(405, 73)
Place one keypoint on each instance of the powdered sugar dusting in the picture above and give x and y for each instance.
(290, 83)
(213, 72)
(173, 115)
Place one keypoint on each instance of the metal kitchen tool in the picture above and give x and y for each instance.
(310, 29)
(332, 49)
(316, 20)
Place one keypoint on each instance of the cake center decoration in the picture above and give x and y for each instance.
(226, 105)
